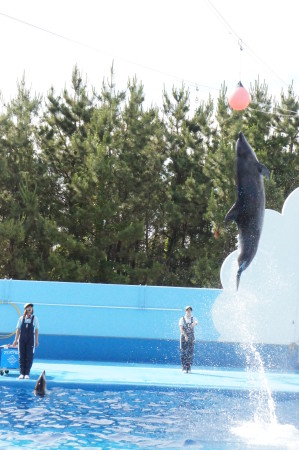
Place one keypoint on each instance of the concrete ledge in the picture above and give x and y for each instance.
(105, 375)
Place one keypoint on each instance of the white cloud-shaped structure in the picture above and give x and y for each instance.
(265, 309)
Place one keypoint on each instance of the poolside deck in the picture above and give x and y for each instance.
(80, 374)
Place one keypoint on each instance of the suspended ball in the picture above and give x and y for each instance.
(240, 99)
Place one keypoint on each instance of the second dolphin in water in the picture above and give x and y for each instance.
(41, 384)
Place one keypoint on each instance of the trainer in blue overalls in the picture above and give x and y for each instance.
(27, 336)
(187, 341)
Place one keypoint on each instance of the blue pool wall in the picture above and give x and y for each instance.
(120, 323)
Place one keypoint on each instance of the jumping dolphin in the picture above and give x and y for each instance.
(249, 209)
(40, 387)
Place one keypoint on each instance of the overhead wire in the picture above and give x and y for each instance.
(90, 47)
(274, 113)
(240, 41)
(194, 84)
(243, 46)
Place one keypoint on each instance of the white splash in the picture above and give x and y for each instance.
(268, 434)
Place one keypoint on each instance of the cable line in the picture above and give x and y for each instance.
(90, 47)
(194, 84)
(244, 45)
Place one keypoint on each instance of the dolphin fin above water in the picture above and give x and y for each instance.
(41, 384)
(249, 209)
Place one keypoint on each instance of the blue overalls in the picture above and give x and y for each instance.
(26, 345)
(187, 347)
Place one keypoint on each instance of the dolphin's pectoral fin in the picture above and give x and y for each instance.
(232, 214)
(263, 170)
(241, 268)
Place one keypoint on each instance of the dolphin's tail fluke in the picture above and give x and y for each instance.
(238, 278)
(241, 268)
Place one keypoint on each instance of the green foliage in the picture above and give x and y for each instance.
(97, 188)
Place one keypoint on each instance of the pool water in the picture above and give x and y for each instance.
(121, 418)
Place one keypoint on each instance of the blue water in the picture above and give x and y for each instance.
(129, 419)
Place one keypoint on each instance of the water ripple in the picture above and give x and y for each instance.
(108, 419)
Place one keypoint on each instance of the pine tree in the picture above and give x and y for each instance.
(186, 229)
(137, 172)
(63, 133)
(24, 232)
(285, 154)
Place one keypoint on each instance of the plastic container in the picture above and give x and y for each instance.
(9, 359)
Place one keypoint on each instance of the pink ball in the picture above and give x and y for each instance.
(240, 99)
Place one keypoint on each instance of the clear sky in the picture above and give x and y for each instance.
(162, 42)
